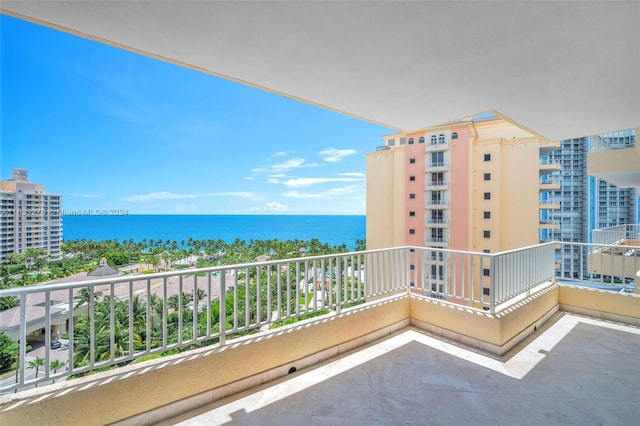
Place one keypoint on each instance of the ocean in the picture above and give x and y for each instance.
(333, 230)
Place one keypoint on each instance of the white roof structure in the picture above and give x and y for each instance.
(563, 69)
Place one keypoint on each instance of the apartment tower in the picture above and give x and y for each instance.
(587, 203)
(29, 218)
(478, 185)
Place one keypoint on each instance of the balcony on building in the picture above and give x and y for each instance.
(437, 222)
(436, 166)
(548, 166)
(549, 224)
(431, 185)
(548, 184)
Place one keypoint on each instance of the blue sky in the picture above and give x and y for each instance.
(110, 129)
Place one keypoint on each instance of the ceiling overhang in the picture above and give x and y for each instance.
(562, 69)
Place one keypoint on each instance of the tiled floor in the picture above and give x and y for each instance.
(576, 371)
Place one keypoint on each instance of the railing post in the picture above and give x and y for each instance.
(223, 306)
(338, 284)
(492, 285)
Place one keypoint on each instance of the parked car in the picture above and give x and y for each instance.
(55, 344)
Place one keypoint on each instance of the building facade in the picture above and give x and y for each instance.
(588, 203)
(476, 185)
(479, 185)
(29, 217)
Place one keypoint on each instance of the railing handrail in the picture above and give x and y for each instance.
(36, 288)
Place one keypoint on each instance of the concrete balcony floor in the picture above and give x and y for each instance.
(573, 370)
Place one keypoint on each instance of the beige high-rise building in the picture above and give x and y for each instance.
(29, 217)
(478, 185)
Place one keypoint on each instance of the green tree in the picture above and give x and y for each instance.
(84, 296)
(8, 352)
(36, 363)
(117, 258)
(56, 365)
(8, 302)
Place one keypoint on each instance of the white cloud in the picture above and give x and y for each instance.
(171, 196)
(342, 191)
(333, 155)
(300, 182)
(297, 194)
(275, 206)
(352, 189)
(249, 178)
(353, 174)
(77, 194)
(294, 163)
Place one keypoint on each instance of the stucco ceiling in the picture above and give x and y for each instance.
(562, 69)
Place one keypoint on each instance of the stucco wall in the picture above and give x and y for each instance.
(128, 391)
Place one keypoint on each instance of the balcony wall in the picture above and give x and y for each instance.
(148, 392)
(246, 362)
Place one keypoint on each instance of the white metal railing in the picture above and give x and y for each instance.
(118, 320)
(485, 280)
(604, 266)
(614, 234)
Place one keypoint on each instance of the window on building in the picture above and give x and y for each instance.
(421, 140)
(441, 138)
(410, 141)
(487, 157)
(412, 267)
(437, 178)
(412, 178)
(412, 161)
(391, 142)
(487, 195)
(412, 196)
(486, 251)
(454, 135)
(486, 272)
(437, 159)
(412, 231)
(486, 234)
(412, 214)
(437, 197)
(403, 141)
(487, 215)
(487, 176)
(486, 291)
(434, 140)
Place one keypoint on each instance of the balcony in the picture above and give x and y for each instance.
(436, 146)
(549, 224)
(549, 185)
(437, 222)
(550, 205)
(436, 166)
(390, 345)
(436, 185)
(436, 203)
(548, 166)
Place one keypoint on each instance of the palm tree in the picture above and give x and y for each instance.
(55, 365)
(84, 296)
(36, 363)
